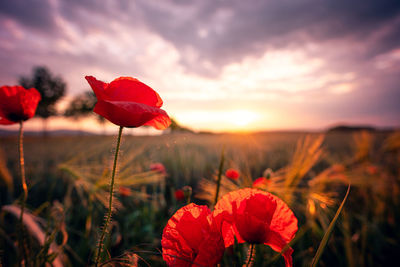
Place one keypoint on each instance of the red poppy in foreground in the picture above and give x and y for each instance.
(17, 103)
(191, 238)
(232, 174)
(127, 102)
(256, 217)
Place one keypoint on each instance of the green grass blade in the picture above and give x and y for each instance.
(328, 232)
(221, 166)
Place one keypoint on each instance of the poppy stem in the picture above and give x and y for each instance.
(109, 212)
(188, 190)
(221, 166)
(250, 255)
(24, 193)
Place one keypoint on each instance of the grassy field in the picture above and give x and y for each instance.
(68, 181)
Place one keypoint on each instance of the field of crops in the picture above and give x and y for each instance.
(68, 180)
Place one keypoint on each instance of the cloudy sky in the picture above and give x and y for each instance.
(219, 64)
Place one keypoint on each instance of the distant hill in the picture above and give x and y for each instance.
(49, 133)
(352, 128)
(176, 127)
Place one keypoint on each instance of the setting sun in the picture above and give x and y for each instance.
(242, 117)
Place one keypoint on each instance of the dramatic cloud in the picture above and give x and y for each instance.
(290, 64)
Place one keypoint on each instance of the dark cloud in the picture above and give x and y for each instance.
(226, 31)
(33, 14)
(238, 28)
(376, 94)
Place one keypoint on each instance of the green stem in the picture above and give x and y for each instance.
(109, 212)
(328, 232)
(24, 189)
(221, 166)
(250, 256)
(189, 195)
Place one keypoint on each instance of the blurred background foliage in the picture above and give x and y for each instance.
(51, 88)
(68, 183)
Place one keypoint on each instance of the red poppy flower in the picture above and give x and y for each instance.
(232, 174)
(17, 103)
(372, 170)
(191, 238)
(179, 195)
(128, 102)
(158, 167)
(256, 217)
(261, 182)
(124, 191)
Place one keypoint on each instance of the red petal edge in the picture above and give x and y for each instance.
(131, 114)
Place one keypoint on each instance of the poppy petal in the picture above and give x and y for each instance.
(277, 243)
(252, 216)
(29, 100)
(4, 121)
(175, 249)
(131, 89)
(98, 87)
(255, 229)
(9, 101)
(161, 122)
(128, 114)
(211, 249)
(283, 221)
(191, 239)
(223, 217)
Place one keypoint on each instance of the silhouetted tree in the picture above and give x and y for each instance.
(82, 105)
(51, 88)
(175, 127)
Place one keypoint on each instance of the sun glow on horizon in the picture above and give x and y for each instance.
(220, 120)
(243, 118)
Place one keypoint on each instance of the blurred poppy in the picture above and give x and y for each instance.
(337, 168)
(268, 173)
(158, 167)
(261, 182)
(17, 103)
(191, 238)
(179, 195)
(256, 217)
(232, 174)
(372, 170)
(124, 191)
(128, 102)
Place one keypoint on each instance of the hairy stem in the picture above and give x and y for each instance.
(24, 192)
(221, 166)
(250, 256)
(109, 212)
